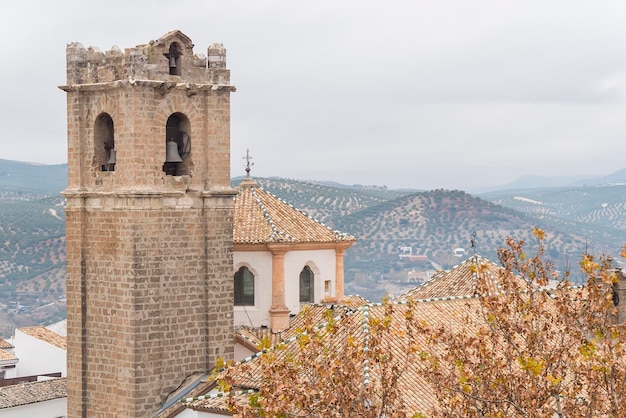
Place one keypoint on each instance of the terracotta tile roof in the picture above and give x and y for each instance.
(4, 344)
(44, 334)
(28, 393)
(316, 313)
(461, 280)
(354, 301)
(417, 394)
(447, 300)
(260, 218)
(215, 403)
(5, 355)
(251, 338)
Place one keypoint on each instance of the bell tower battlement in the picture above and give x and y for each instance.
(149, 231)
(169, 58)
(156, 116)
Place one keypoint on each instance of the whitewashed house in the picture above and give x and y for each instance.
(40, 351)
(39, 399)
(8, 361)
(34, 365)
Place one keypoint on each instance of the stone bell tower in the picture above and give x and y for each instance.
(149, 222)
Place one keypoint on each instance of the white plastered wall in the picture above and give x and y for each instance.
(38, 357)
(260, 264)
(321, 262)
(49, 409)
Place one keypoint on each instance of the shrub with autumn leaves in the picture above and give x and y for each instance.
(536, 346)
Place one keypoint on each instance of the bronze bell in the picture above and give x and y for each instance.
(171, 153)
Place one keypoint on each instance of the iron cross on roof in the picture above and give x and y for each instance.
(473, 242)
(248, 164)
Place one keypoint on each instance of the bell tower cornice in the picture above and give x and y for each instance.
(163, 86)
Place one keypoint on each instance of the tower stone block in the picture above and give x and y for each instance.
(149, 222)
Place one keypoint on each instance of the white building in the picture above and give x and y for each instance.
(34, 366)
(40, 399)
(40, 351)
(8, 361)
(282, 259)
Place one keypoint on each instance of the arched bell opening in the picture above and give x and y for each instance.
(177, 145)
(104, 143)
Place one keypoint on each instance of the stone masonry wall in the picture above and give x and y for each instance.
(149, 255)
(140, 112)
(157, 292)
(146, 62)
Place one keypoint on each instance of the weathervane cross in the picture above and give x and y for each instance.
(473, 242)
(248, 158)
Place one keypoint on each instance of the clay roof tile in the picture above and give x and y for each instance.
(261, 218)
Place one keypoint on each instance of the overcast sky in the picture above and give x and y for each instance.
(422, 94)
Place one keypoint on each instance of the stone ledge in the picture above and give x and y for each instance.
(156, 84)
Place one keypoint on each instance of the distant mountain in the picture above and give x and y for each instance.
(399, 232)
(536, 182)
(619, 177)
(19, 178)
(597, 212)
(432, 224)
(437, 222)
(32, 231)
(325, 202)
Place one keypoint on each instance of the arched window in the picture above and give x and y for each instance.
(244, 287)
(177, 145)
(104, 142)
(307, 285)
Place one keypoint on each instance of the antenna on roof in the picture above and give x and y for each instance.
(248, 164)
